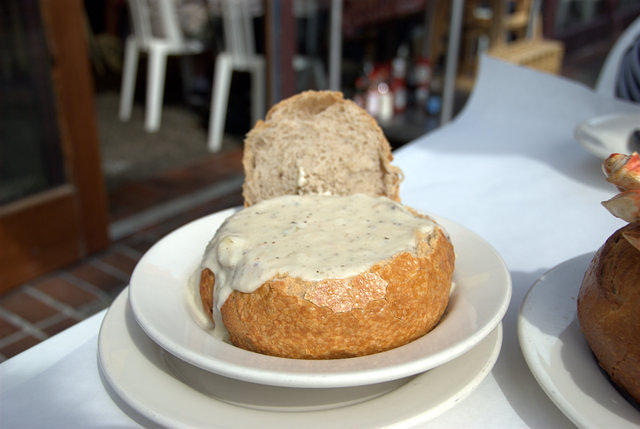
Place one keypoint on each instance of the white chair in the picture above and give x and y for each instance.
(239, 55)
(158, 47)
(606, 83)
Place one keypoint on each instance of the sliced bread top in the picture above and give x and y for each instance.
(317, 142)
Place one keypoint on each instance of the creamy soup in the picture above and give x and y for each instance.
(311, 237)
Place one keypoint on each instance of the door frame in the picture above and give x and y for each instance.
(58, 226)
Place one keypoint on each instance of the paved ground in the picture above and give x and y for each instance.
(129, 153)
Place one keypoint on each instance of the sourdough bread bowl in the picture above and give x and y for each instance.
(609, 308)
(324, 262)
(304, 284)
(609, 299)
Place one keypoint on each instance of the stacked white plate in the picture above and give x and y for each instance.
(607, 134)
(159, 357)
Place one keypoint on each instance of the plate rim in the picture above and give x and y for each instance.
(591, 144)
(336, 379)
(161, 417)
(529, 350)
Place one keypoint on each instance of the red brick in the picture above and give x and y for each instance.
(208, 170)
(59, 326)
(7, 328)
(132, 198)
(19, 346)
(138, 194)
(65, 292)
(98, 278)
(135, 196)
(118, 260)
(139, 243)
(161, 229)
(27, 307)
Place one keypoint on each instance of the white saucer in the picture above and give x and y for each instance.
(559, 356)
(170, 314)
(173, 393)
(607, 134)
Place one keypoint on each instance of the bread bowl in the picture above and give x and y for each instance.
(328, 162)
(609, 298)
(354, 275)
(609, 309)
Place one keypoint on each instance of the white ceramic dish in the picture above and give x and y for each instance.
(559, 356)
(172, 393)
(607, 134)
(164, 308)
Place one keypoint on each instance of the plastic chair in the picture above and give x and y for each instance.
(239, 55)
(607, 79)
(171, 42)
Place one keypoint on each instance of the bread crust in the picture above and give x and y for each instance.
(390, 175)
(609, 308)
(280, 319)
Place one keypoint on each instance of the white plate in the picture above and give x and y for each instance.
(559, 356)
(164, 309)
(607, 134)
(172, 393)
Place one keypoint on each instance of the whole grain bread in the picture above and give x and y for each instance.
(318, 142)
(609, 308)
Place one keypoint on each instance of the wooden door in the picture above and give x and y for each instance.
(53, 207)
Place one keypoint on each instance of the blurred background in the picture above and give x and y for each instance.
(121, 120)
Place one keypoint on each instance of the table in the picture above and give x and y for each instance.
(507, 167)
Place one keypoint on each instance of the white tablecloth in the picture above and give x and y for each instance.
(507, 168)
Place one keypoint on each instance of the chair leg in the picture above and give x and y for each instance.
(219, 100)
(129, 72)
(258, 87)
(155, 89)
